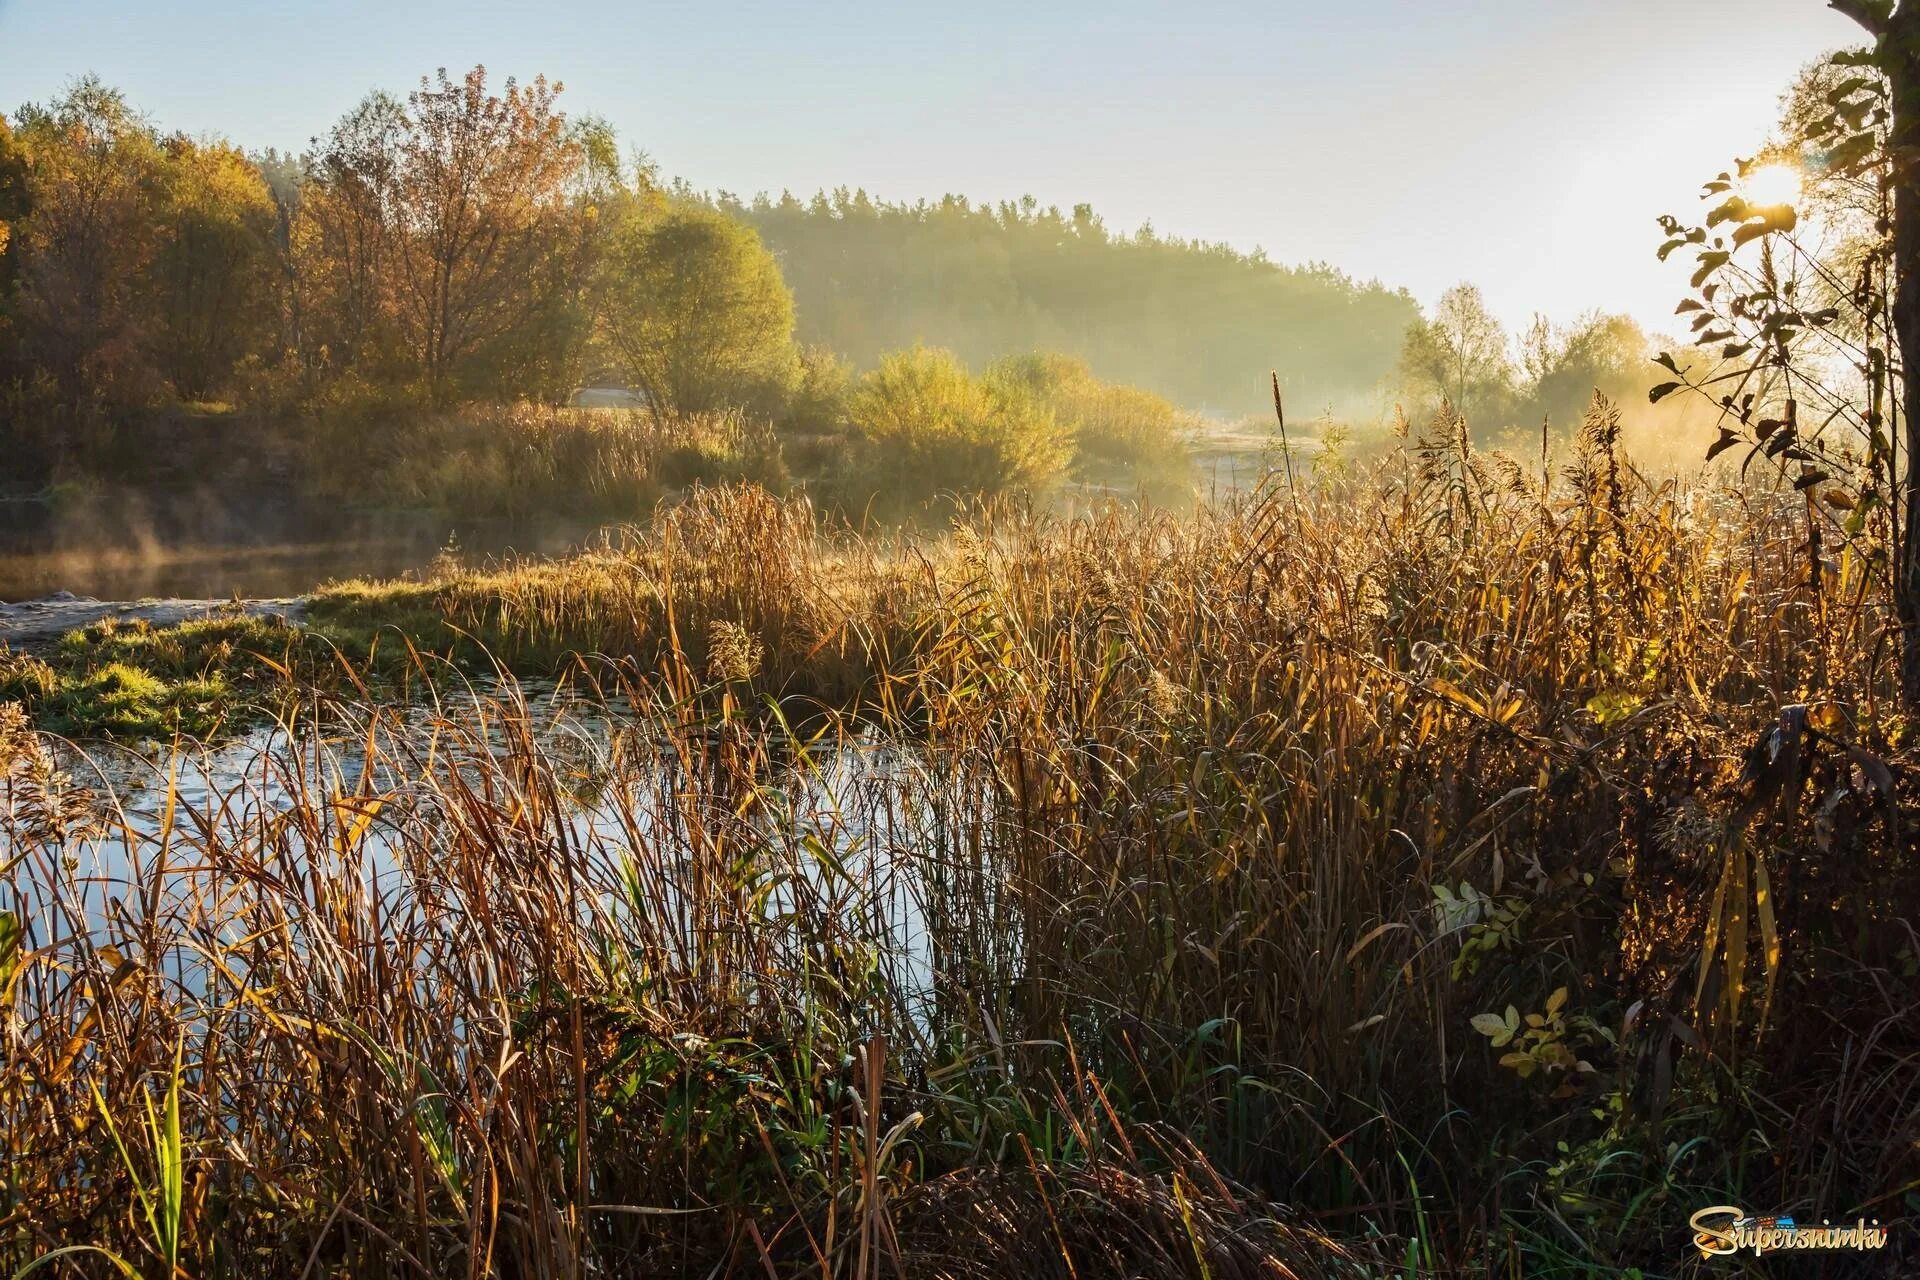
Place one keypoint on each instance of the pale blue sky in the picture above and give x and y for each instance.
(1525, 145)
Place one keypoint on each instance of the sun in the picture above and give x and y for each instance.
(1771, 184)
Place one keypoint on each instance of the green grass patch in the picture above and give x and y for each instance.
(133, 680)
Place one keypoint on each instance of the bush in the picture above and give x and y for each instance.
(816, 404)
(1113, 426)
(928, 427)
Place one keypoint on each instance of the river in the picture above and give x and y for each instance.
(850, 832)
(133, 544)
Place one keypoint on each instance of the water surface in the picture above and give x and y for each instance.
(134, 544)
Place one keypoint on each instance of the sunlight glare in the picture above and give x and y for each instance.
(1771, 184)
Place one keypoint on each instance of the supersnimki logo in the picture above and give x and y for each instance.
(1725, 1229)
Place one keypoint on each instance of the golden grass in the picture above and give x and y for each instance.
(1174, 800)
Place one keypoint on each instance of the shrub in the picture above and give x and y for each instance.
(928, 427)
(1113, 426)
(816, 404)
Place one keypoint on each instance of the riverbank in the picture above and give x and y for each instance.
(33, 626)
(731, 593)
(1310, 859)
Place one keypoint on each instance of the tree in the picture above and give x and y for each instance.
(212, 267)
(447, 223)
(1186, 319)
(1811, 371)
(84, 252)
(15, 201)
(338, 236)
(1460, 354)
(1894, 133)
(694, 311)
(1599, 352)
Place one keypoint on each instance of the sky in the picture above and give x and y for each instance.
(1523, 145)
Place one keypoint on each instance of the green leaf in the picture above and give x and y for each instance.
(10, 933)
(1732, 209)
(1846, 88)
(1851, 152)
(1489, 1024)
(1522, 1064)
(1613, 706)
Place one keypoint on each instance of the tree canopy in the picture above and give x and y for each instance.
(1199, 323)
(694, 311)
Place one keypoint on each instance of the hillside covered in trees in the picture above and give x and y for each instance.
(1199, 323)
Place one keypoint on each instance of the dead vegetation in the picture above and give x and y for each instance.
(1471, 867)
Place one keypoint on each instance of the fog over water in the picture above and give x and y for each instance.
(130, 544)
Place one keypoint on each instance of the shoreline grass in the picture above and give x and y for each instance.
(1355, 880)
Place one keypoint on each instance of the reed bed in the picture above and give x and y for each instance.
(1350, 881)
(515, 461)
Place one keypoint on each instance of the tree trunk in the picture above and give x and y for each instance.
(1900, 59)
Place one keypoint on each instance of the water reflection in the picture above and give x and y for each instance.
(865, 834)
(131, 544)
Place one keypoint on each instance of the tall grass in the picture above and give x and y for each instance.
(1170, 875)
(520, 460)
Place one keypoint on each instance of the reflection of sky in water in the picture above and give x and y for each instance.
(859, 833)
(125, 544)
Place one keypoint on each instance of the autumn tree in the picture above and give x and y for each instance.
(210, 279)
(446, 225)
(15, 201)
(82, 256)
(694, 311)
(1459, 353)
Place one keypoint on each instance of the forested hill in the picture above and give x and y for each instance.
(1199, 323)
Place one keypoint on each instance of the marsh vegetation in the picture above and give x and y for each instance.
(1225, 835)
(909, 832)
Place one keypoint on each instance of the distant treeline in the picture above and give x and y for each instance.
(357, 308)
(1199, 323)
(466, 245)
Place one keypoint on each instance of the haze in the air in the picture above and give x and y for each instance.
(1525, 146)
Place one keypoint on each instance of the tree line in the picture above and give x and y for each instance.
(1199, 323)
(465, 243)
(460, 243)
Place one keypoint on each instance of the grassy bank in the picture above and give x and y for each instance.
(1401, 878)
